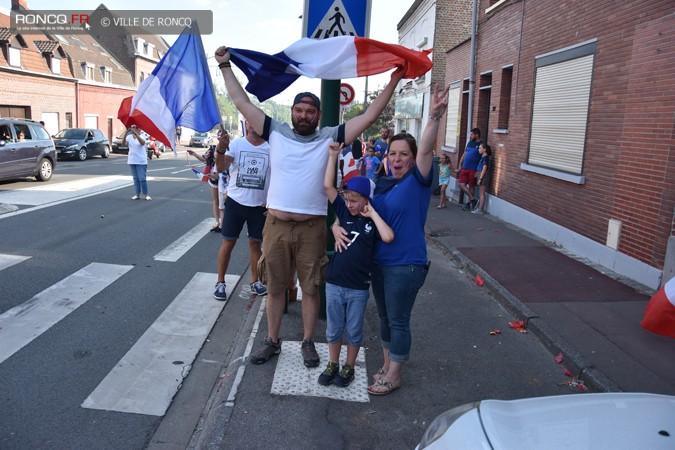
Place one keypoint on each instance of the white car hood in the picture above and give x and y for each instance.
(609, 421)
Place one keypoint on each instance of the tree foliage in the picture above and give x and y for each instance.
(228, 110)
(386, 119)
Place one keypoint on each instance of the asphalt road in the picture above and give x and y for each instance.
(49, 385)
(67, 228)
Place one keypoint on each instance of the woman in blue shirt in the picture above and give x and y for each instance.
(402, 199)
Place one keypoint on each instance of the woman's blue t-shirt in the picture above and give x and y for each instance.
(404, 208)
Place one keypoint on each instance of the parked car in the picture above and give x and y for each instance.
(200, 139)
(119, 144)
(81, 143)
(603, 421)
(26, 150)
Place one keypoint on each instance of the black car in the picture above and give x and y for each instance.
(119, 144)
(81, 143)
(26, 150)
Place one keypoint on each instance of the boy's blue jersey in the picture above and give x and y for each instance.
(352, 268)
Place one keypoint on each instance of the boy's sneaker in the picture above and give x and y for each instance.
(473, 204)
(328, 375)
(478, 211)
(268, 350)
(309, 355)
(345, 377)
(258, 288)
(220, 293)
(467, 206)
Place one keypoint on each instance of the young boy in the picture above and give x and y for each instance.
(348, 277)
(372, 163)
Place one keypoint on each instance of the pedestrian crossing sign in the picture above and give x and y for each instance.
(329, 18)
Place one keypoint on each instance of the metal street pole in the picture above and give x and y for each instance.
(330, 116)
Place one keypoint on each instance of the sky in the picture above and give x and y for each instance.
(267, 26)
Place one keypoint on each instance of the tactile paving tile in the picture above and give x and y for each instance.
(291, 377)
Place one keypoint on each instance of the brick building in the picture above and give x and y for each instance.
(578, 105)
(73, 80)
(35, 76)
(418, 29)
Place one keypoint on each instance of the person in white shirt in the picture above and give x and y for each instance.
(248, 162)
(138, 162)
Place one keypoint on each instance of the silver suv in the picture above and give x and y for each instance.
(26, 150)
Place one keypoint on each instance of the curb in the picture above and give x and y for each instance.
(575, 361)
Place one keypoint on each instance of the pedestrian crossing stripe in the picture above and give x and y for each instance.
(9, 260)
(25, 322)
(180, 246)
(44, 194)
(145, 380)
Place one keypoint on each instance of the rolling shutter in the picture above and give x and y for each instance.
(560, 113)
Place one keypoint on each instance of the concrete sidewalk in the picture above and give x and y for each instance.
(589, 316)
(572, 308)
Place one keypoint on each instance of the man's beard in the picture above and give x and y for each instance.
(304, 127)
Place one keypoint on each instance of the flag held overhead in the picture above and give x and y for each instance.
(179, 92)
(329, 59)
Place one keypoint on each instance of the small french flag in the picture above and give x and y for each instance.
(200, 175)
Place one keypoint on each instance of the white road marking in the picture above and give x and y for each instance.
(54, 192)
(20, 325)
(145, 380)
(160, 169)
(183, 170)
(180, 246)
(247, 351)
(9, 260)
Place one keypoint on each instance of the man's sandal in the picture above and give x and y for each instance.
(383, 387)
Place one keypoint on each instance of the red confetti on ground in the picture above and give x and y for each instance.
(559, 358)
(567, 372)
(519, 326)
(479, 280)
(479, 229)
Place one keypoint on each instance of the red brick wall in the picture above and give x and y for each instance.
(40, 94)
(629, 162)
(105, 102)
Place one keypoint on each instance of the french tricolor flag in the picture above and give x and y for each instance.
(177, 93)
(660, 311)
(329, 59)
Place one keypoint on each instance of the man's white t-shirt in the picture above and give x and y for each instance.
(298, 166)
(249, 172)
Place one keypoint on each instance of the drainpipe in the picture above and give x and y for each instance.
(77, 104)
(472, 70)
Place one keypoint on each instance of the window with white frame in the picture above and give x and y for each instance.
(88, 71)
(14, 57)
(562, 95)
(55, 65)
(452, 117)
(106, 74)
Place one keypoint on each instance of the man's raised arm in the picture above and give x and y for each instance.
(357, 125)
(254, 115)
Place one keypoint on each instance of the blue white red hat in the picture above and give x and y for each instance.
(362, 185)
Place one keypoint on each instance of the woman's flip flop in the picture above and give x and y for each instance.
(383, 388)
